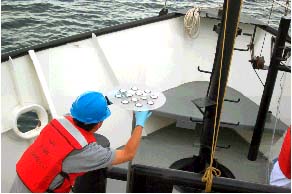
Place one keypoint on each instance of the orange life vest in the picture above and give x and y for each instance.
(285, 155)
(42, 161)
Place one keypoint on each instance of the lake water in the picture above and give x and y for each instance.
(30, 22)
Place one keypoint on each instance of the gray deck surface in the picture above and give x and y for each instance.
(167, 145)
(179, 106)
(171, 143)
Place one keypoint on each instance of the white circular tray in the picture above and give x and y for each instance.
(136, 97)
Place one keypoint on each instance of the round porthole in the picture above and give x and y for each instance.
(29, 120)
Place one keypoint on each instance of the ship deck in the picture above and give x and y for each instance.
(169, 144)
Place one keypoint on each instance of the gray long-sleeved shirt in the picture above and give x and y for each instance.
(91, 157)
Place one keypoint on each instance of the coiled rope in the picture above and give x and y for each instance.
(192, 22)
(211, 171)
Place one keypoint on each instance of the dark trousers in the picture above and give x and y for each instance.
(93, 181)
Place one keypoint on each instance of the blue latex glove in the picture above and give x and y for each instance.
(141, 117)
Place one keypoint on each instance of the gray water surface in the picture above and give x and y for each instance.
(29, 22)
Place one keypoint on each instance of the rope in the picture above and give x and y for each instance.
(287, 8)
(208, 176)
(277, 119)
(165, 3)
(210, 171)
(271, 10)
(192, 22)
(259, 77)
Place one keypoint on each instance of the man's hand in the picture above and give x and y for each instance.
(130, 149)
(142, 117)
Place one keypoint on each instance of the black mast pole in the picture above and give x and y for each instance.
(269, 87)
(232, 18)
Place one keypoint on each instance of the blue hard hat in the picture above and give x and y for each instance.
(90, 107)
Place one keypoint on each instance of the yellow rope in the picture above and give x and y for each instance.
(208, 175)
(211, 171)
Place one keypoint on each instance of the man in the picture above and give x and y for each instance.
(66, 148)
(281, 173)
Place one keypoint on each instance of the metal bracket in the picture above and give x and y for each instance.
(235, 101)
(224, 123)
(224, 147)
(203, 103)
(217, 146)
(249, 46)
(287, 52)
(203, 71)
(195, 121)
(239, 49)
(284, 67)
(247, 34)
(233, 124)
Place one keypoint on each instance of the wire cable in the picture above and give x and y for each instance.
(282, 85)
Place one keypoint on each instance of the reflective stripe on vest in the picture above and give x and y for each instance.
(73, 131)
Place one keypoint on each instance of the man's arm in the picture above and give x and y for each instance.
(129, 151)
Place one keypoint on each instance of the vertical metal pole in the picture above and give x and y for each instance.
(269, 88)
(206, 140)
(130, 162)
